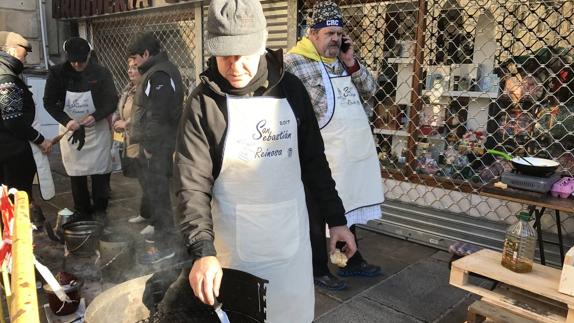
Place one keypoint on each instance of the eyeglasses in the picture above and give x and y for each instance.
(132, 68)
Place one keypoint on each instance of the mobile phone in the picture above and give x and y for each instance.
(344, 46)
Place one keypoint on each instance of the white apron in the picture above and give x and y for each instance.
(351, 152)
(43, 171)
(259, 213)
(95, 156)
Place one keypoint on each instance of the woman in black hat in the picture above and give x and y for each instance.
(81, 96)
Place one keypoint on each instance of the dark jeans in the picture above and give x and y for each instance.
(154, 176)
(145, 208)
(100, 193)
(319, 242)
(18, 171)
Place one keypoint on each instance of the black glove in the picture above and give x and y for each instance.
(79, 136)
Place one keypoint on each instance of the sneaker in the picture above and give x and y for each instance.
(153, 255)
(330, 282)
(147, 230)
(137, 219)
(363, 269)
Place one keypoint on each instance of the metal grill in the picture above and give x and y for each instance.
(205, 316)
(485, 74)
(173, 27)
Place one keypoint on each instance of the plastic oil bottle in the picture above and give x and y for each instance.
(519, 245)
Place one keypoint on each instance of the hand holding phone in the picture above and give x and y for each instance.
(344, 46)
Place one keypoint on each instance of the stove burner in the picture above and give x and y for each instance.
(529, 182)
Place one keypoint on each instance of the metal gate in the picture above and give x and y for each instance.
(174, 27)
(461, 77)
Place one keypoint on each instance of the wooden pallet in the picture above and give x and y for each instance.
(481, 311)
(533, 295)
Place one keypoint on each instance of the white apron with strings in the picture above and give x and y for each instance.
(350, 150)
(259, 213)
(43, 171)
(95, 157)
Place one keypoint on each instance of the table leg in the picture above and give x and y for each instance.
(559, 229)
(570, 315)
(538, 225)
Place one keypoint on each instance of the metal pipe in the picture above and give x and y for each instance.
(45, 47)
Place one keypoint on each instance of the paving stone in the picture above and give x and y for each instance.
(364, 310)
(392, 254)
(422, 290)
(442, 256)
(324, 303)
(459, 312)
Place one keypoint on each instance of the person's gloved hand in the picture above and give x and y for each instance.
(79, 136)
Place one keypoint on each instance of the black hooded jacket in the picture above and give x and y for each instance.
(17, 110)
(157, 106)
(199, 149)
(94, 78)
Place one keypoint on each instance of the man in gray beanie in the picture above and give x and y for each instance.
(326, 58)
(248, 149)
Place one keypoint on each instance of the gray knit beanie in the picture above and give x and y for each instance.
(235, 27)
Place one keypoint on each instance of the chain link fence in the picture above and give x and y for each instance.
(174, 28)
(485, 74)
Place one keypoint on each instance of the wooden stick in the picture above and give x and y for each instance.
(59, 137)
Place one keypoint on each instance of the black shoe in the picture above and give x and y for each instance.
(77, 217)
(362, 269)
(37, 217)
(101, 217)
(330, 282)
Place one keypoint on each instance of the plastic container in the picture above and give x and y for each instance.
(519, 245)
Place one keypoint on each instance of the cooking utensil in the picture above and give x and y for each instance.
(529, 165)
(508, 156)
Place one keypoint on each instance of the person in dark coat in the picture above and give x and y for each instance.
(17, 111)
(155, 114)
(81, 96)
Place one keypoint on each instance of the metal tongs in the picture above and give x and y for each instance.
(223, 318)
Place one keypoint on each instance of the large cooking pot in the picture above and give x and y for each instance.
(529, 165)
(81, 238)
(242, 296)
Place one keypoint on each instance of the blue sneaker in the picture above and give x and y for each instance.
(154, 255)
(363, 269)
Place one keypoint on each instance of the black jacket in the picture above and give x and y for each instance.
(17, 110)
(199, 153)
(94, 78)
(157, 106)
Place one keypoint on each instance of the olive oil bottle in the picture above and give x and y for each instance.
(519, 245)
